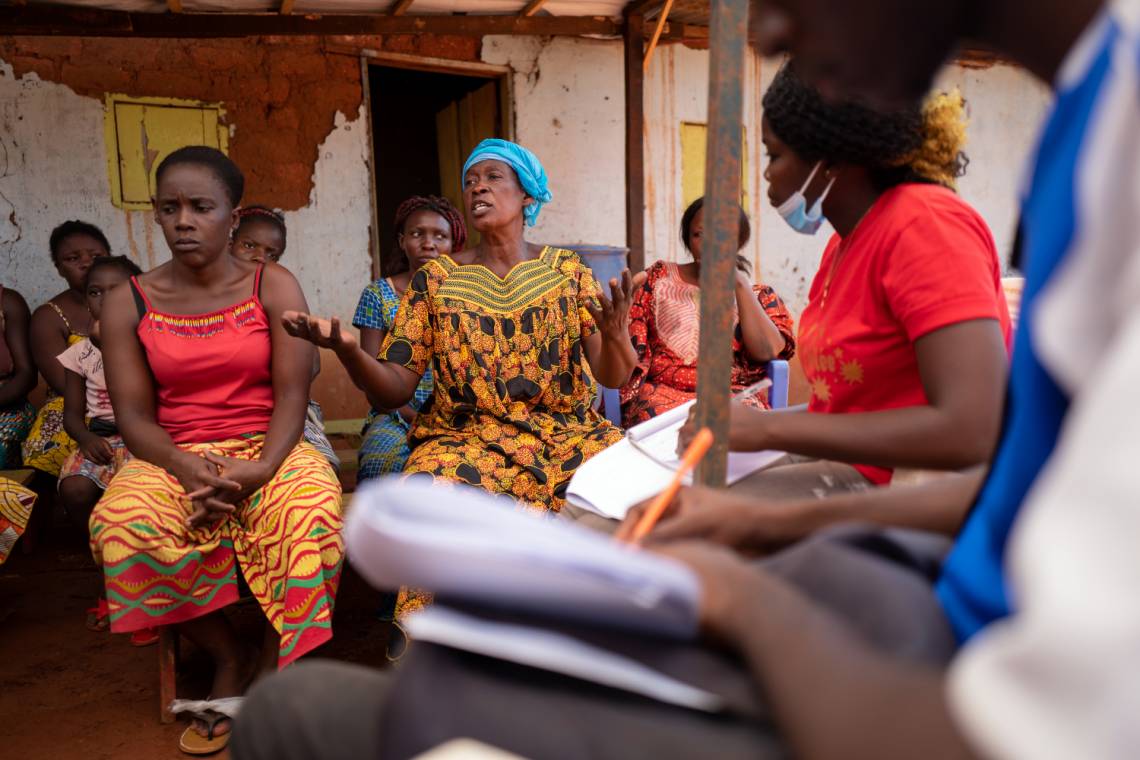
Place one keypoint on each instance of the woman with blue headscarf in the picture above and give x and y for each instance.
(515, 334)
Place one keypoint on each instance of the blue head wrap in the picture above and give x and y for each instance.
(532, 177)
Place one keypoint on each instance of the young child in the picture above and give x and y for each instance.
(89, 419)
(260, 236)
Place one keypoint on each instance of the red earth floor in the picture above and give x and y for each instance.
(66, 692)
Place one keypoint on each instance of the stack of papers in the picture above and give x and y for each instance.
(465, 544)
(642, 464)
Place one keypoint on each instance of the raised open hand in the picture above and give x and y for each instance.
(323, 333)
(612, 316)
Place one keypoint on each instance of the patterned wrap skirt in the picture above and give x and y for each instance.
(286, 540)
(48, 445)
(15, 423)
(16, 504)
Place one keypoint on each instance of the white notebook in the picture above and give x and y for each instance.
(468, 545)
(643, 463)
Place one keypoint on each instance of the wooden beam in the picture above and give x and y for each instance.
(286, 7)
(643, 7)
(533, 7)
(39, 20)
(401, 7)
(175, 6)
(634, 39)
(728, 42)
(661, 20)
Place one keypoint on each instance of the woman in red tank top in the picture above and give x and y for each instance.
(210, 395)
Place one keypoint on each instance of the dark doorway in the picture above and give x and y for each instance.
(424, 124)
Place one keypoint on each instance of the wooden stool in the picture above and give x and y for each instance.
(167, 671)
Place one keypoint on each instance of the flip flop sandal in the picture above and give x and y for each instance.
(193, 743)
(99, 616)
(211, 712)
(144, 637)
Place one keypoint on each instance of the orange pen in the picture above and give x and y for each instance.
(693, 455)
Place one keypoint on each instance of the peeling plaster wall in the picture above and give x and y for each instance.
(569, 97)
(53, 167)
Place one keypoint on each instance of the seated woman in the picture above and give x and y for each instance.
(17, 377)
(426, 228)
(515, 334)
(664, 322)
(260, 237)
(904, 336)
(59, 323)
(209, 394)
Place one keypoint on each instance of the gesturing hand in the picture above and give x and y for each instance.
(323, 333)
(612, 316)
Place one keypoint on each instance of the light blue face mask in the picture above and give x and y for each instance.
(795, 210)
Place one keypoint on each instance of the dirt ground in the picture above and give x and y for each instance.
(66, 692)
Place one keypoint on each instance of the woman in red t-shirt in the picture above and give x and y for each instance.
(904, 337)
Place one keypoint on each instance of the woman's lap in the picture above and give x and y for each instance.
(48, 444)
(286, 542)
(796, 478)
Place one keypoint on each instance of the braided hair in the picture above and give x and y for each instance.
(919, 143)
(441, 206)
(255, 213)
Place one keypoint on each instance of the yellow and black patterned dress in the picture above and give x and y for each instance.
(512, 410)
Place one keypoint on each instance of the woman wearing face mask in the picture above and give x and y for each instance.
(904, 337)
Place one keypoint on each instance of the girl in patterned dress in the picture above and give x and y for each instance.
(61, 322)
(426, 227)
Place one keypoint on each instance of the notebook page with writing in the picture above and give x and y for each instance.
(476, 547)
(642, 464)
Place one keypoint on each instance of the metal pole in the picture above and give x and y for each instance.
(635, 140)
(727, 43)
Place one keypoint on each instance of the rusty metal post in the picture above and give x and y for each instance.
(727, 43)
(635, 140)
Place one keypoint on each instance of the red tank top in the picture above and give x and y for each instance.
(211, 371)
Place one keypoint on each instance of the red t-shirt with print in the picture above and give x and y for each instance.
(921, 259)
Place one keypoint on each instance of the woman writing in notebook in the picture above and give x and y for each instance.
(904, 337)
(209, 394)
(515, 334)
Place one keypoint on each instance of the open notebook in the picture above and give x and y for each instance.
(643, 463)
(467, 545)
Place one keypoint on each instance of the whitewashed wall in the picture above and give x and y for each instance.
(53, 167)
